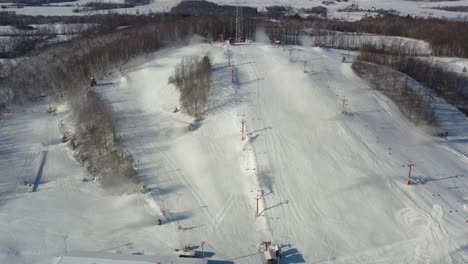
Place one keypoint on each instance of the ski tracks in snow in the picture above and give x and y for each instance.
(251, 155)
(268, 146)
(272, 197)
(431, 244)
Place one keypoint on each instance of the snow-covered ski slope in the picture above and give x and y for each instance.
(36, 227)
(334, 185)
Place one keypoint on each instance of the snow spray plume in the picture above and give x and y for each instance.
(306, 41)
(195, 39)
(261, 36)
(267, 181)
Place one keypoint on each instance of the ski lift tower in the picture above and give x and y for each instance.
(241, 25)
(238, 23)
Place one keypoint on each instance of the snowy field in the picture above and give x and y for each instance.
(416, 8)
(344, 40)
(332, 186)
(452, 63)
(64, 210)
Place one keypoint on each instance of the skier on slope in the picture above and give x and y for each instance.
(93, 82)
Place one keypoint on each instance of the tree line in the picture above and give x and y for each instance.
(447, 38)
(106, 21)
(20, 45)
(98, 143)
(37, 2)
(450, 85)
(415, 104)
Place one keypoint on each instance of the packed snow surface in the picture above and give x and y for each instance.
(64, 212)
(81, 257)
(332, 185)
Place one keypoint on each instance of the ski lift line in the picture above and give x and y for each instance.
(267, 219)
(410, 165)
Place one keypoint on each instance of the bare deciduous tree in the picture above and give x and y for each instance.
(192, 77)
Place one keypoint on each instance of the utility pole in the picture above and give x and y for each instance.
(406, 86)
(410, 165)
(241, 31)
(266, 244)
(65, 242)
(343, 107)
(243, 128)
(229, 55)
(305, 66)
(232, 75)
(260, 194)
(407, 98)
(258, 199)
(202, 249)
(237, 22)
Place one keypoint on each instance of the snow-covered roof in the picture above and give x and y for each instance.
(81, 257)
